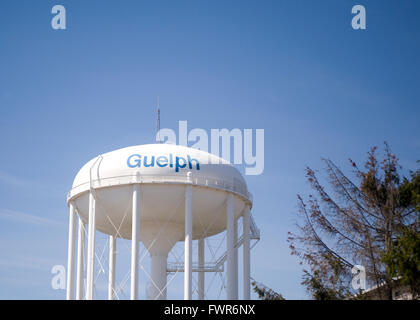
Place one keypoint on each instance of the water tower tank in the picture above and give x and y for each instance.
(158, 194)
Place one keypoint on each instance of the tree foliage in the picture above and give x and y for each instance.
(403, 257)
(354, 222)
(403, 260)
(265, 293)
(319, 289)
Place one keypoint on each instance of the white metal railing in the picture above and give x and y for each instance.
(236, 186)
(218, 265)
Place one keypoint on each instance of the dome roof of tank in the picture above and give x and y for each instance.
(159, 163)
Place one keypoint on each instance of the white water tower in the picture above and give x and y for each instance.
(158, 194)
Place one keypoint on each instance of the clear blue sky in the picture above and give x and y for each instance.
(293, 68)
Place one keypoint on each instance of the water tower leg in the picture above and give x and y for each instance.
(188, 244)
(135, 239)
(111, 271)
(80, 263)
(70, 254)
(246, 254)
(230, 254)
(91, 248)
(201, 267)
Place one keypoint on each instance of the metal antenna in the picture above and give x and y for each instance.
(158, 122)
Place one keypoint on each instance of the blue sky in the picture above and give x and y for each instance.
(293, 68)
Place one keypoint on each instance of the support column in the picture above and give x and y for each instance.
(200, 267)
(80, 280)
(188, 244)
(91, 248)
(246, 254)
(230, 255)
(70, 254)
(135, 238)
(158, 266)
(111, 271)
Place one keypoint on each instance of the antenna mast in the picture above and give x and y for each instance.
(158, 122)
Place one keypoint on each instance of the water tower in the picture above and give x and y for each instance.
(158, 194)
